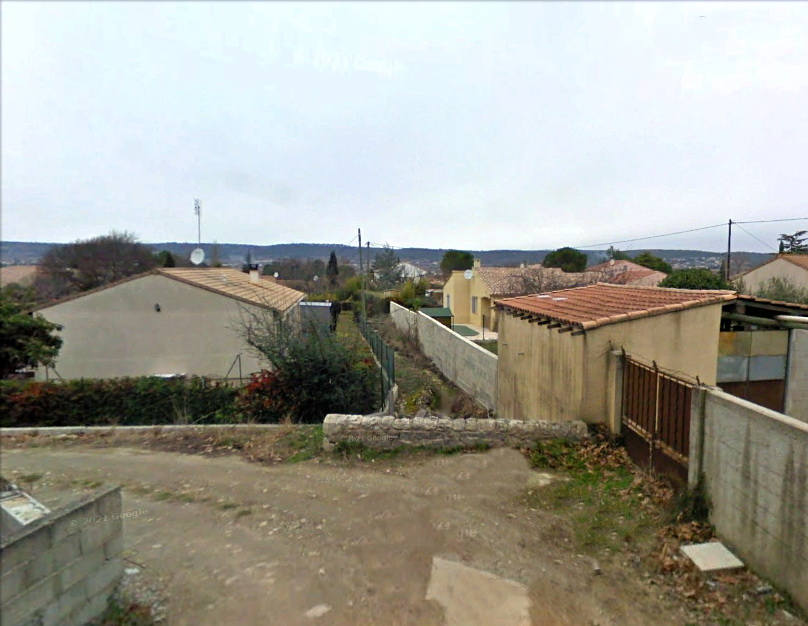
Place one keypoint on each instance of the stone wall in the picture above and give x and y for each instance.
(469, 366)
(387, 432)
(797, 377)
(754, 463)
(64, 567)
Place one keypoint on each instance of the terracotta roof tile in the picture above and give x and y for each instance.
(237, 284)
(797, 259)
(600, 304)
(513, 281)
(800, 260)
(625, 272)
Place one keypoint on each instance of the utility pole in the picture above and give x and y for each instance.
(729, 250)
(361, 274)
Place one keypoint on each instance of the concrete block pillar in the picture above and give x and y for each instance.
(696, 450)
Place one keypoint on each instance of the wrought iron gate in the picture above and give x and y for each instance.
(656, 418)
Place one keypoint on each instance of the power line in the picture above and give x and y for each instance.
(679, 232)
(738, 224)
(788, 219)
(693, 230)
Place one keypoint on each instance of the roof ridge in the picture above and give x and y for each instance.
(610, 303)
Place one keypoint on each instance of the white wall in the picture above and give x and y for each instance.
(797, 376)
(757, 278)
(755, 467)
(117, 332)
(470, 367)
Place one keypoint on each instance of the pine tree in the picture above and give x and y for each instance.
(332, 271)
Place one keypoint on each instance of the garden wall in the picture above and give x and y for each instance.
(797, 377)
(387, 432)
(754, 464)
(470, 367)
(64, 567)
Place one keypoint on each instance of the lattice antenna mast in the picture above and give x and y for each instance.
(198, 212)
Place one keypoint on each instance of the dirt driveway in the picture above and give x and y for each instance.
(441, 540)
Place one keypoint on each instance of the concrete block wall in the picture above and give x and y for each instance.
(387, 432)
(797, 377)
(754, 463)
(64, 567)
(469, 366)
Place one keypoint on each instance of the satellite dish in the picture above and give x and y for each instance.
(316, 278)
(275, 274)
(197, 256)
(467, 274)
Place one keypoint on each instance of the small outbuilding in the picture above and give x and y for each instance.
(439, 314)
(555, 348)
(171, 321)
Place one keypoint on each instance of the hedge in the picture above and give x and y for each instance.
(116, 401)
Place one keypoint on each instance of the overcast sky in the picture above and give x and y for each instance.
(483, 125)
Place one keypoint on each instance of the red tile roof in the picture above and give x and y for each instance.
(600, 304)
(797, 259)
(237, 284)
(225, 281)
(800, 260)
(623, 272)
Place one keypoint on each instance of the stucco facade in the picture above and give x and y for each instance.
(459, 295)
(545, 374)
(781, 267)
(118, 331)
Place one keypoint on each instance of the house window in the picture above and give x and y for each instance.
(473, 304)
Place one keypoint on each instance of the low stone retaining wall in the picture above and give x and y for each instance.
(386, 432)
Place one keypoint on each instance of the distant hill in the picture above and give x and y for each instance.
(27, 253)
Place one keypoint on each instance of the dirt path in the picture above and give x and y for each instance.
(241, 543)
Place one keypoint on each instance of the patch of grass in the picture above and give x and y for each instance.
(87, 483)
(304, 443)
(30, 478)
(120, 613)
(603, 499)
(350, 450)
(163, 495)
(243, 513)
(226, 506)
(489, 344)
(358, 450)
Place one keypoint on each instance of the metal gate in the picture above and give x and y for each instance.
(656, 418)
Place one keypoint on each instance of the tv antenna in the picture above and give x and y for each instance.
(198, 212)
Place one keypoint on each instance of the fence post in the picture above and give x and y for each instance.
(614, 391)
(696, 448)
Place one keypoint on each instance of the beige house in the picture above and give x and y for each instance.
(169, 321)
(793, 267)
(554, 348)
(470, 294)
(623, 272)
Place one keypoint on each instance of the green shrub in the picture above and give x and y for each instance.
(694, 278)
(115, 401)
(313, 373)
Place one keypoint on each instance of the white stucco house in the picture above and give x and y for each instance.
(168, 321)
(790, 267)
